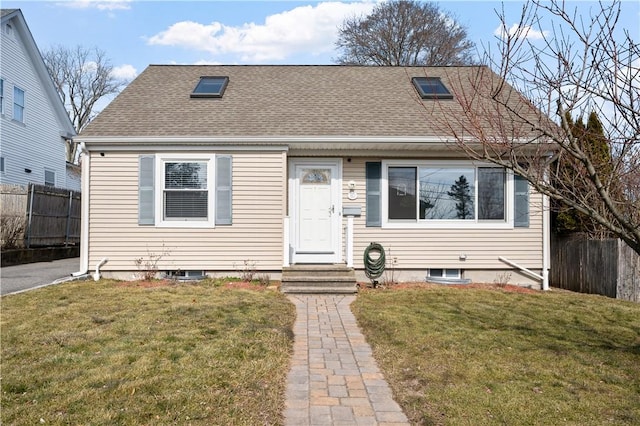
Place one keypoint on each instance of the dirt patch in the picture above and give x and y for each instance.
(146, 283)
(244, 285)
(509, 288)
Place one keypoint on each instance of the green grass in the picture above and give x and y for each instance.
(483, 357)
(103, 354)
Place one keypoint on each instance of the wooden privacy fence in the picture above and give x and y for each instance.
(607, 267)
(51, 215)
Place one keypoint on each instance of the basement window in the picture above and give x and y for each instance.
(443, 273)
(431, 88)
(210, 87)
(186, 275)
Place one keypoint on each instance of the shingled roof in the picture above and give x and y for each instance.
(286, 101)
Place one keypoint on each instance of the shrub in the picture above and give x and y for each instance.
(12, 231)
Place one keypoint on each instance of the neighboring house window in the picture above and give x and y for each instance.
(49, 177)
(18, 104)
(447, 194)
(1, 96)
(2, 165)
(8, 30)
(185, 190)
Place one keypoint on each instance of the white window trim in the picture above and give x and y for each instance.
(507, 223)
(159, 191)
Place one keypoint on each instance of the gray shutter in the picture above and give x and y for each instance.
(223, 190)
(374, 195)
(521, 197)
(146, 191)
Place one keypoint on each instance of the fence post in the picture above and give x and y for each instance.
(29, 213)
(66, 233)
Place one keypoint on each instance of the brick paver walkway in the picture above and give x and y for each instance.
(334, 379)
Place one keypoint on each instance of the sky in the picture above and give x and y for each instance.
(138, 33)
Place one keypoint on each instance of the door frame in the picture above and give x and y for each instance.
(336, 223)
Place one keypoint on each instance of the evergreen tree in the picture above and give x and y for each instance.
(593, 142)
(461, 193)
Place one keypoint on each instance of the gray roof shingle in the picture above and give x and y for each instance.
(287, 101)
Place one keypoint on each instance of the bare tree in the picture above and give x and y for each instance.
(82, 77)
(404, 33)
(582, 65)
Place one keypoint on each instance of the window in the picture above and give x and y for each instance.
(18, 104)
(452, 193)
(185, 192)
(210, 87)
(491, 190)
(181, 190)
(447, 193)
(1, 96)
(444, 273)
(431, 88)
(2, 165)
(49, 177)
(402, 192)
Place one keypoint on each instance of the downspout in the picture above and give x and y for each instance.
(522, 268)
(546, 230)
(546, 237)
(84, 221)
(96, 275)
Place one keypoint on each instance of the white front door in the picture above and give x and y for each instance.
(315, 208)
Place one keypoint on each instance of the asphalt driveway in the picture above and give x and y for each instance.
(33, 275)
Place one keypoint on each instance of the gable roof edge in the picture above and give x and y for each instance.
(41, 70)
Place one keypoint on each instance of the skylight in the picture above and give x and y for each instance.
(431, 88)
(210, 87)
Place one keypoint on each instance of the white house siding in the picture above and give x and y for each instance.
(36, 144)
(256, 235)
(417, 249)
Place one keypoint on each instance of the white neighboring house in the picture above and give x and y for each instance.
(34, 123)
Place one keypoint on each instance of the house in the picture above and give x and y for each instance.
(211, 169)
(34, 122)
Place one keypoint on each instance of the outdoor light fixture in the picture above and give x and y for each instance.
(353, 195)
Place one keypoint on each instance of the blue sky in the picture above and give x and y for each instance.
(135, 34)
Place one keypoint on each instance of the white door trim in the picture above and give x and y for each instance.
(333, 254)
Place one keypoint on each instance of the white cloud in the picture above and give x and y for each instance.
(108, 5)
(125, 72)
(304, 29)
(526, 32)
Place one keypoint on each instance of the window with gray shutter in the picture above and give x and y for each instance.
(223, 201)
(373, 173)
(146, 204)
(521, 204)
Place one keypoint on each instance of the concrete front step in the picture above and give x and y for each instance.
(319, 290)
(318, 279)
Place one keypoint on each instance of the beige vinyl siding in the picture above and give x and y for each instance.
(259, 185)
(417, 248)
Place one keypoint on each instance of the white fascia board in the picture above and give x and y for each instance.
(281, 143)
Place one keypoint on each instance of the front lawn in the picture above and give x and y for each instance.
(107, 353)
(487, 356)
